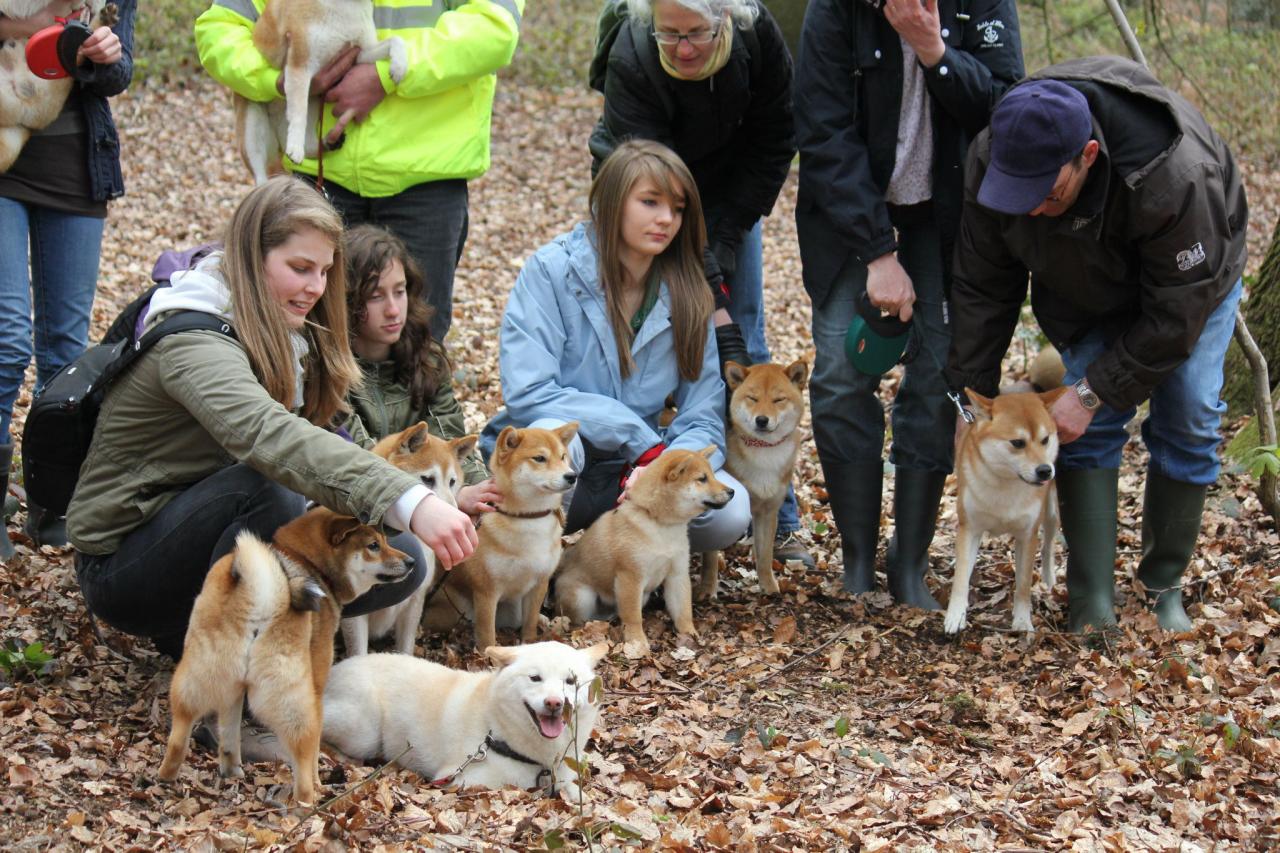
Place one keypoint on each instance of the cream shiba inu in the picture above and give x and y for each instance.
(29, 103)
(439, 465)
(300, 37)
(763, 443)
(515, 725)
(519, 542)
(641, 545)
(263, 625)
(1004, 477)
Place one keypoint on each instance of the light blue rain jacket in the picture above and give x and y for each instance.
(559, 359)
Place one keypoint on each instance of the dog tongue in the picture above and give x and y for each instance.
(551, 725)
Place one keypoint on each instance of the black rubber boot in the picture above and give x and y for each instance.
(1087, 503)
(6, 460)
(1171, 514)
(916, 495)
(854, 491)
(43, 527)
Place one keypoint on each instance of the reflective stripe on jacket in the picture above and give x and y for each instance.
(433, 125)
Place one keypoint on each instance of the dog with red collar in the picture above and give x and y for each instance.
(763, 439)
(45, 47)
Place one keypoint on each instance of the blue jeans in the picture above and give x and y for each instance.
(1181, 429)
(746, 308)
(46, 312)
(848, 417)
(431, 219)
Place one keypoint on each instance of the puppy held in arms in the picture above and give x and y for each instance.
(519, 724)
(29, 102)
(300, 37)
(1004, 481)
(263, 625)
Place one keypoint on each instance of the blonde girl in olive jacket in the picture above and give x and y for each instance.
(208, 435)
(405, 370)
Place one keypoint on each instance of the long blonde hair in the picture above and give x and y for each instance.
(267, 217)
(679, 265)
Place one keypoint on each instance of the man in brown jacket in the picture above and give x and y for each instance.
(1127, 211)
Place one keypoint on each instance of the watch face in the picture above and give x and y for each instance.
(1088, 399)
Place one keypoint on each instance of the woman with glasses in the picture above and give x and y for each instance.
(711, 79)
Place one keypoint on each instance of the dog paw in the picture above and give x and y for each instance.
(636, 649)
(1022, 622)
(955, 621)
(399, 62)
(236, 772)
(297, 153)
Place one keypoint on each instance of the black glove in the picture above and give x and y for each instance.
(732, 346)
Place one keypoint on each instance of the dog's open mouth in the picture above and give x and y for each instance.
(390, 577)
(549, 725)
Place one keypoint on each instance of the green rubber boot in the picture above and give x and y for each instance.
(6, 460)
(1087, 503)
(916, 495)
(1171, 514)
(854, 491)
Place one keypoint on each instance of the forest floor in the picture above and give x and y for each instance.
(807, 721)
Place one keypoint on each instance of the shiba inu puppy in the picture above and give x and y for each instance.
(519, 542)
(439, 464)
(29, 102)
(511, 726)
(263, 624)
(642, 544)
(300, 37)
(1004, 477)
(763, 443)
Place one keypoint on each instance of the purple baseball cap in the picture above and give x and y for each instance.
(1036, 129)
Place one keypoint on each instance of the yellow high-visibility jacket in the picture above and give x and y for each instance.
(433, 125)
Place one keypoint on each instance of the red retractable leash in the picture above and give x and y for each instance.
(51, 52)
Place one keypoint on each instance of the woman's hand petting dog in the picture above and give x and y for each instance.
(448, 532)
(481, 498)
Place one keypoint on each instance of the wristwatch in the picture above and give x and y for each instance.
(1088, 399)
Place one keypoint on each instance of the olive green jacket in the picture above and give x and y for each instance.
(192, 406)
(384, 407)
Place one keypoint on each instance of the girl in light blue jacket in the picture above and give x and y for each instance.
(608, 320)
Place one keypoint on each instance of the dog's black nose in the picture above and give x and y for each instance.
(408, 563)
(1044, 473)
(729, 493)
(571, 478)
(762, 422)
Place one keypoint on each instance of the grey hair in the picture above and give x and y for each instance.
(743, 12)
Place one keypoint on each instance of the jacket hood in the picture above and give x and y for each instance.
(199, 289)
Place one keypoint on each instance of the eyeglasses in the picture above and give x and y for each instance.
(698, 37)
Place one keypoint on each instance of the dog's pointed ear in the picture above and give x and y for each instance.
(464, 447)
(412, 439)
(708, 451)
(341, 527)
(567, 432)
(597, 652)
(678, 466)
(981, 405)
(1051, 396)
(798, 373)
(734, 374)
(501, 655)
(508, 439)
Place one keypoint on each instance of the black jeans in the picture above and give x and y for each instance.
(432, 221)
(148, 586)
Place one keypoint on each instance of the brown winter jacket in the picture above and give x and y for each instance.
(1154, 243)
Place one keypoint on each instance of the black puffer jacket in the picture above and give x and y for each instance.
(1151, 247)
(733, 130)
(848, 97)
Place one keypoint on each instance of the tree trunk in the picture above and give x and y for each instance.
(1260, 311)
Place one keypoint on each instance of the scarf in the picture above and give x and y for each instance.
(717, 60)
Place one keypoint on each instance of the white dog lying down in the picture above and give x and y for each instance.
(511, 726)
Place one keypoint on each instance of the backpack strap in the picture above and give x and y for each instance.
(180, 321)
(646, 53)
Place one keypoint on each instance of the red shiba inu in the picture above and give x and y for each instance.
(263, 625)
(763, 442)
(1004, 477)
(519, 542)
(439, 465)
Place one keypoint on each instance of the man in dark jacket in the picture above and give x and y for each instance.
(887, 97)
(1127, 210)
(711, 79)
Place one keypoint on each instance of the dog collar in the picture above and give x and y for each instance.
(540, 514)
(502, 748)
(755, 442)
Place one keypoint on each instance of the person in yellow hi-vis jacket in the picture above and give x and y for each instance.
(404, 160)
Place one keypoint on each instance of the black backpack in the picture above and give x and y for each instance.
(59, 427)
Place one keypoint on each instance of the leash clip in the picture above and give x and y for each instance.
(964, 413)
